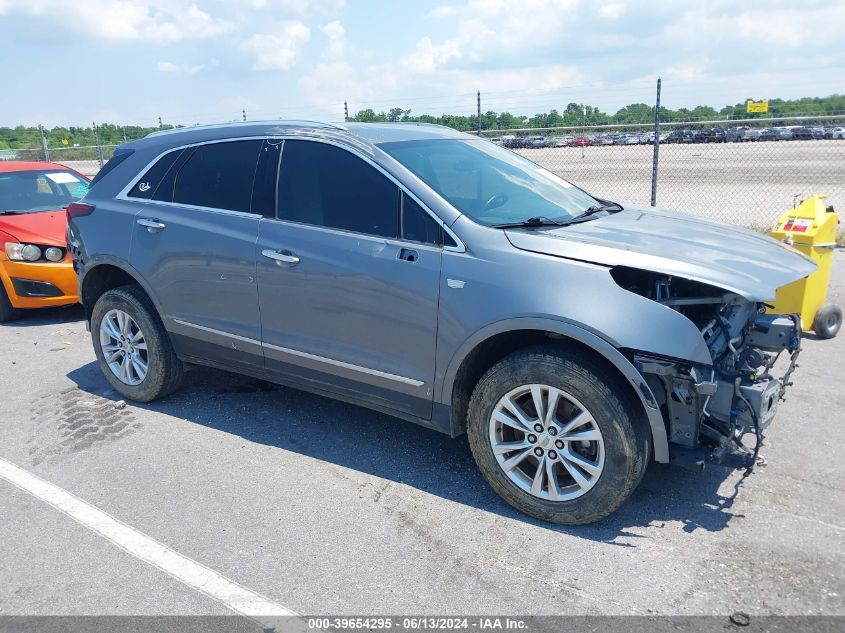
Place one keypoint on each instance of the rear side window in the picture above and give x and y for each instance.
(219, 176)
(150, 181)
(324, 185)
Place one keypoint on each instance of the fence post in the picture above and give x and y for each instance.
(479, 113)
(44, 144)
(656, 147)
(97, 143)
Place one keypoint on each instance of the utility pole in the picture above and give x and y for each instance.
(345, 111)
(44, 144)
(479, 113)
(244, 113)
(656, 147)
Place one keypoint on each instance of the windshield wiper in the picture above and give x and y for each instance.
(593, 210)
(530, 222)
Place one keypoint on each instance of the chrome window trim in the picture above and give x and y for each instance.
(124, 193)
(193, 207)
(295, 352)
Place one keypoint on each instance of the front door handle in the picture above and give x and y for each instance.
(153, 226)
(408, 255)
(281, 256)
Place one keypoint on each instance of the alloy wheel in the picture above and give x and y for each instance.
(124, 347)
(546, 442)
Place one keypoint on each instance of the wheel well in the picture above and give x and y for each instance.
(101, 279)
(492, 350)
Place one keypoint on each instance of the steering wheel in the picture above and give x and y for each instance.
(494, 201)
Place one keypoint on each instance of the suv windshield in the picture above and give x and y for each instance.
(39, 190)
(490, 184)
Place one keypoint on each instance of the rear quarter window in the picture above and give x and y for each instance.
(149, 183)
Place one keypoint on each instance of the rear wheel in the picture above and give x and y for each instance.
(7, 312)
(555, 437)
(133, 350)
(828, 320)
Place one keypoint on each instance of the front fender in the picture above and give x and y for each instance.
(575, 332)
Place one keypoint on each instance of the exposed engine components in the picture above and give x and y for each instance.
(709, 409)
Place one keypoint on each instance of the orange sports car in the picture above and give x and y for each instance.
(35, 267)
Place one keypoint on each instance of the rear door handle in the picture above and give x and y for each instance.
(281, 256)
(153, 226)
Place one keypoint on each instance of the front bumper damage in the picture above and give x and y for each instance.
(710, 410)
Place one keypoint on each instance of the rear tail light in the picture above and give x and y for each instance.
(78, 209)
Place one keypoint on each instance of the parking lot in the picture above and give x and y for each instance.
(320, 507)
(750, 184)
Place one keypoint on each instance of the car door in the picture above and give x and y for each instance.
(194, 243)
(348, 299)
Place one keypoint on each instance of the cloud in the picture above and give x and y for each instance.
(170, 67)
(301, 8)
(428, 56)
(124, 19)
(336, 35)
(277, 52)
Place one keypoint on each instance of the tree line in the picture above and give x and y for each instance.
(574, 114)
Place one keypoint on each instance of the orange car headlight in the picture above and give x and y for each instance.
(32, 252)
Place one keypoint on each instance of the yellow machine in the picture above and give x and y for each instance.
(811, 229)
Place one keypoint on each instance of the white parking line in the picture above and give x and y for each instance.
(195, 575)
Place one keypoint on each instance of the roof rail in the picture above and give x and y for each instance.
(290, 122)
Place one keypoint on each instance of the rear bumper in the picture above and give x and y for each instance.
(38, 284)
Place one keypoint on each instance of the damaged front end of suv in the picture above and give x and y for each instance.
(709, 409)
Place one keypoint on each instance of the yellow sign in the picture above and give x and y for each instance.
(757, 106)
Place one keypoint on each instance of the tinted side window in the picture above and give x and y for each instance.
(146, 187)
(324, 185)
(219, 176)
(418, 225)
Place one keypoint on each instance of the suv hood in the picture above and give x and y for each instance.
(662, 241)
(48, 228)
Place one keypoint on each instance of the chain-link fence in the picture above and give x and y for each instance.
(739, 174)
(743, 172)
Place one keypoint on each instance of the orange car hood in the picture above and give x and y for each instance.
(48, 228)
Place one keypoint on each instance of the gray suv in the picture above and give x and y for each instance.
(440, 278)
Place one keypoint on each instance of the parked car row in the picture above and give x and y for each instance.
(742, 134)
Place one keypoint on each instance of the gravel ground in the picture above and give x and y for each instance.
(751, 184)
(328, 508)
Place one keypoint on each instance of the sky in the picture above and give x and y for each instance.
(205, 61)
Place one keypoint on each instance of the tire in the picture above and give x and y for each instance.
(164, 370)
(7, 312)
(827, 321)
(625, 439)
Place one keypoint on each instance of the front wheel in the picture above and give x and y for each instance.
(7, 312)
(132, 348)
(555, 437)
